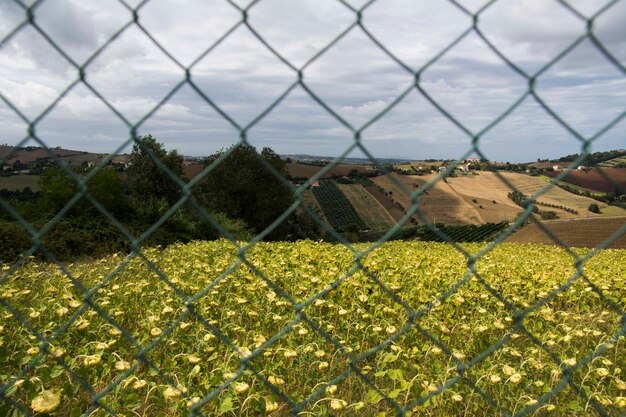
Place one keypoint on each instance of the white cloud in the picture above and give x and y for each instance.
(355, 77)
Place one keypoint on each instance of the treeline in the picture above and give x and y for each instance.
(594, 158)
(240, 197)
(523, 201)
(26, 194)
(452, 233)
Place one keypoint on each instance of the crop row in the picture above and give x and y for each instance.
(464, 233)
(340, 213)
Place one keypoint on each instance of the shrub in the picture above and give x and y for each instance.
(548, 215)
(14, 241)
(593, 207)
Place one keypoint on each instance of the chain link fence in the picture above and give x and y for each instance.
(459, 379)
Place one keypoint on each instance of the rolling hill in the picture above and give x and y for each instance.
(478, 199)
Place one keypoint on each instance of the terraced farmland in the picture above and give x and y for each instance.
(367, 207)
(340, 213)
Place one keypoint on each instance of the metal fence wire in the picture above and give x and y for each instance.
(465, 371)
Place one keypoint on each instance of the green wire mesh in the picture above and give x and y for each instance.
(298, 308)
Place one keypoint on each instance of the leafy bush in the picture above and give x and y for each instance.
(549, 215)
(14, 241)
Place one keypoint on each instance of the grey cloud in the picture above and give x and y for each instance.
(355, 78)
(67, 23)
(412, 30)
(610, 29)
(204, 23)
(298, 30)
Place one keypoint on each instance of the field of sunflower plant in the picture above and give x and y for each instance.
(306, 328)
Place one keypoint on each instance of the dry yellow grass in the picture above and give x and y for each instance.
(573, 232)
(488, 186)
(529, 185)
(474, 199)
(309, 200)
(441, 204)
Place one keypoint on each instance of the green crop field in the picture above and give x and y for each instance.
(337, 208)
(297, 326)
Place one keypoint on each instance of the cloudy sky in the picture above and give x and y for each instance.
(355, 78)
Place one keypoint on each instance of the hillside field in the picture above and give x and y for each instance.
(476, 199)
(575, 233)
(300, 170)
(245, 349)
(19, 182)
(369, 209)
(603, 180)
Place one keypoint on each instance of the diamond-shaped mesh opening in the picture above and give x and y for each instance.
(501, 25)
(459, 94)
(120, 57)
(568, 101)
(118, 294)
(80, 31)
(301, 347)
(315, 23)
(259, 71)
(215, 18)
(349, 60)
(43, 77)
(372, 315)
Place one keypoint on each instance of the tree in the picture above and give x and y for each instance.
(241, 187)
(593, 207)
(106, 187)
(146, 180)
(58, 188)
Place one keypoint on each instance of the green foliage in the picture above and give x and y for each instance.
(25, 194)
(521, 200)
(548, 215)
(241, 187)
(106, 187)
(14, 241)
(86, 232)
(463, 233)
(338, 210)
(594, 158)
(524, 201)
(58, 188)
(593, 207)
(359, 314)
(144, 176)
(84, 236)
